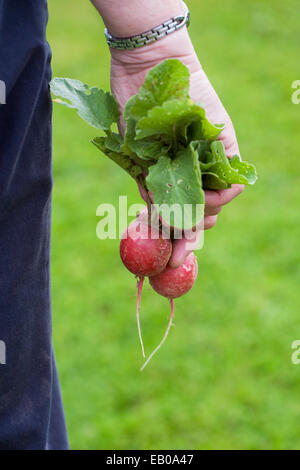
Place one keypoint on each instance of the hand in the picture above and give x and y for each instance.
(128, 70)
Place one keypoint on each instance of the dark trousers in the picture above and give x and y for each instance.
(31, 413)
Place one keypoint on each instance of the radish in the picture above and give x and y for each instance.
(143, 250)
(144, 253)
(173, 283)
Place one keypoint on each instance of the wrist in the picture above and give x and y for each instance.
(136, 16)
(177, 45)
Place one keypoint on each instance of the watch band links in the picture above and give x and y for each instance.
(149, 37)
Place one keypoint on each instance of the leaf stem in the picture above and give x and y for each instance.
(141, 181)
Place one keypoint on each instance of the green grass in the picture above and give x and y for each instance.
(224, 379)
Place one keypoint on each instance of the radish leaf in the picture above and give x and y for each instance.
(97, 108)
(168, 80)
(244, 168)
(177, 181)
(167, 136)
(130, 166)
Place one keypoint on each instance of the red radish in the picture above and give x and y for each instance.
(144, 253)
(173, 283)
(143, 250)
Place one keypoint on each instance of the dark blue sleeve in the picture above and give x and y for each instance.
(31, 414)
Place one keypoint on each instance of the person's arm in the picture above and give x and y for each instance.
(125, 18)
(129, 67)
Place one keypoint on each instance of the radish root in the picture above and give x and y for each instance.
(164, 338)
(140, 287)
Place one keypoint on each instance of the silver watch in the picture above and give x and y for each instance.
(148, 37)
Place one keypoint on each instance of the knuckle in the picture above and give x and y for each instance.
(241, 188)
(210, 222)
(212, 210)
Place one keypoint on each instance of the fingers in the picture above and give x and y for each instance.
(214, 199)
(179, 253)
(181, 248)
(201, 90)
(228, 137)
(210, 221)
(211, 210)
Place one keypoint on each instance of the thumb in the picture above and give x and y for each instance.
(183, 247)
(179, 253)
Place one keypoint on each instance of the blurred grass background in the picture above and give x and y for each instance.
(224, 379)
